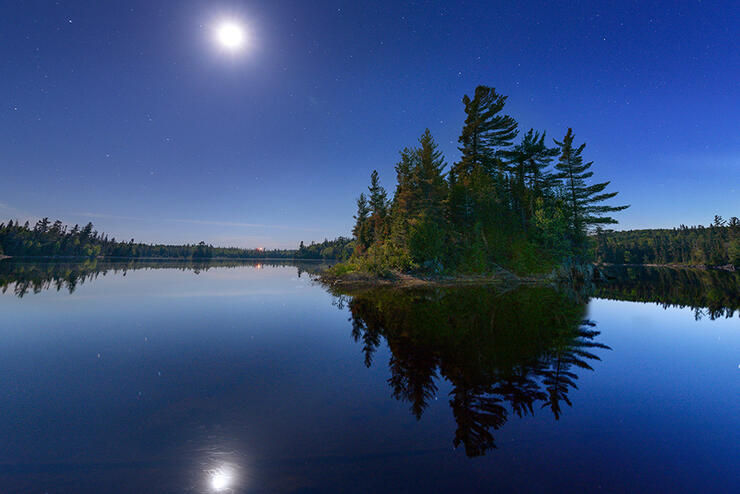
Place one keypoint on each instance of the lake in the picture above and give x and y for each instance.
(251, 377)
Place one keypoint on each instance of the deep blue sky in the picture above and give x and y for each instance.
(126, 114)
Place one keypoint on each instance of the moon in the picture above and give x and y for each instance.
(231, 35)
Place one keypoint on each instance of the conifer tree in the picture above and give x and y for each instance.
(584, 202)
(477, 180)
(485, 132)
(360, 231)
(378, 205)
(405, 198)
(528, 162)
(430, 177)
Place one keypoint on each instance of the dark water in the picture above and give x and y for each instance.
(250, 378)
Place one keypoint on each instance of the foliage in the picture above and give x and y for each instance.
(339, 248)
(714, 245)
(583, 202)
(500, 205)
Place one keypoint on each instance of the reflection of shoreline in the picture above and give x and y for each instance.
(711, 292)
(702, 267)
(26, 276)
(46, 259)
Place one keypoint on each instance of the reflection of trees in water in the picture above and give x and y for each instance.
(712, 293)
(503, 353)
(33, 277)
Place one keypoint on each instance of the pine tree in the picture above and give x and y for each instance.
(379, 206)
(406, 197)
(477, 192)
(360, 231)
(430, 177)
(528, 162)
(583, 201)
(485, 132)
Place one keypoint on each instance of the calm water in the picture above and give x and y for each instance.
(251, 378)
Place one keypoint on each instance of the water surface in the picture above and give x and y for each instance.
(251, 378)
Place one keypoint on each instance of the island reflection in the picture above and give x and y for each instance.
(504, 353)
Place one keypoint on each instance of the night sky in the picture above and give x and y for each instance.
(130, 115)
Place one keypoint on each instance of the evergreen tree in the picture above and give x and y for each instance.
(378, 205)
(485, 133)
(360, 231)
(430, 177)
(528, 162)
(476, 192)
(584, 202)
(406, 197)
(497, 207)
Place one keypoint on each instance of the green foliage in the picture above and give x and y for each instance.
(550, 227)
(340, 248)
(714, 245)
(426, 244)
(500, 205)
(361, 230)
(381, 259)
(583, 201)
(474, 259)
(530, 180)
(733, 252)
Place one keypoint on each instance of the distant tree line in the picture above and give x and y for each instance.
(715, 245)
(341, 248)
(55, 239)
(524, 205)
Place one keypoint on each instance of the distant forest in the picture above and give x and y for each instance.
(715, 245)
(524, 204)
(54, 239)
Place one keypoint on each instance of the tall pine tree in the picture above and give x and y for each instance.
(477, 190)
(528, 162)
(360, 231)
(584, 202)
(379, 206)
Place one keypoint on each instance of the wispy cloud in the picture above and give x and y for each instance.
(109, 216)
(237, 224)
(9, 210)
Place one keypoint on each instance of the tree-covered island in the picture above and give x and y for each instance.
(513, 202)
(517, 204)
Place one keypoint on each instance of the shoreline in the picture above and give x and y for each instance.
(360, 281)
(356, 281)
(728, 267)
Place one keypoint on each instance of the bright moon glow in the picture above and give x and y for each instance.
(221, 479)
(230, 35)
